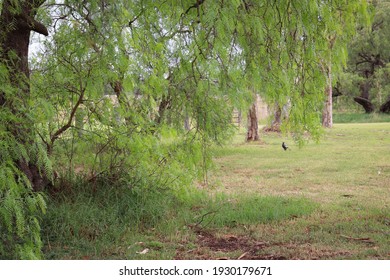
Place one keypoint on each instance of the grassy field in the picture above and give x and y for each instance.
(347, 175)
(324, 201)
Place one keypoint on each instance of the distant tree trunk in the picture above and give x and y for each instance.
(164, 105)
(253, 123)
(385, 108)
(327, 113)
(367, 105)
(277, 119)
(364, 98)
(17, 21)
(187, 123)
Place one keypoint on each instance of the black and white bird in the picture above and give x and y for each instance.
(284, 146)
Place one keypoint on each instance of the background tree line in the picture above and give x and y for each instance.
(366, 78)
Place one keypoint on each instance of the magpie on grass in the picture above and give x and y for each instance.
(284, 146)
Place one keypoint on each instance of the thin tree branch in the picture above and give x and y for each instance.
(37, 26)
(196, 5)
(65, 127)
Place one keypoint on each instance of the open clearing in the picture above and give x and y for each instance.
(347, 174)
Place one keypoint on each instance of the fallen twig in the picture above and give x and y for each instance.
(362, 239)
(242, 256)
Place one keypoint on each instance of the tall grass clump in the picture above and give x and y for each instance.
(92, 221)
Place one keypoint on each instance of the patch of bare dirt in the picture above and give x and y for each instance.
(210, 246)
(228, 246)
(275, 128)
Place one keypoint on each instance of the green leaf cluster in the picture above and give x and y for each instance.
(20, 207)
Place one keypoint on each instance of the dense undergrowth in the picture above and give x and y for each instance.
(106, 222)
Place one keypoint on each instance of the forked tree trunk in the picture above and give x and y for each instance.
(16, 23)
(253, 123)
(327, 113)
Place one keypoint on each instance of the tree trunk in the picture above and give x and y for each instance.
(187, 123)
(17, 21)
(253, 126)
(364, 98)
(327, 113)
(367, 105)
(385, 108)
(277, 120)
(164, 105)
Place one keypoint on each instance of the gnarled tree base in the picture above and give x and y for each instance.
(38, 180)
(367, 105)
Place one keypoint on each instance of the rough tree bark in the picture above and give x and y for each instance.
(253, 123)
(16, 23)
(327, 113)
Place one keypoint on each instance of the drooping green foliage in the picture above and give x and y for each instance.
(134, 92)
(23, 158)
(182, 59)
(20, 207)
